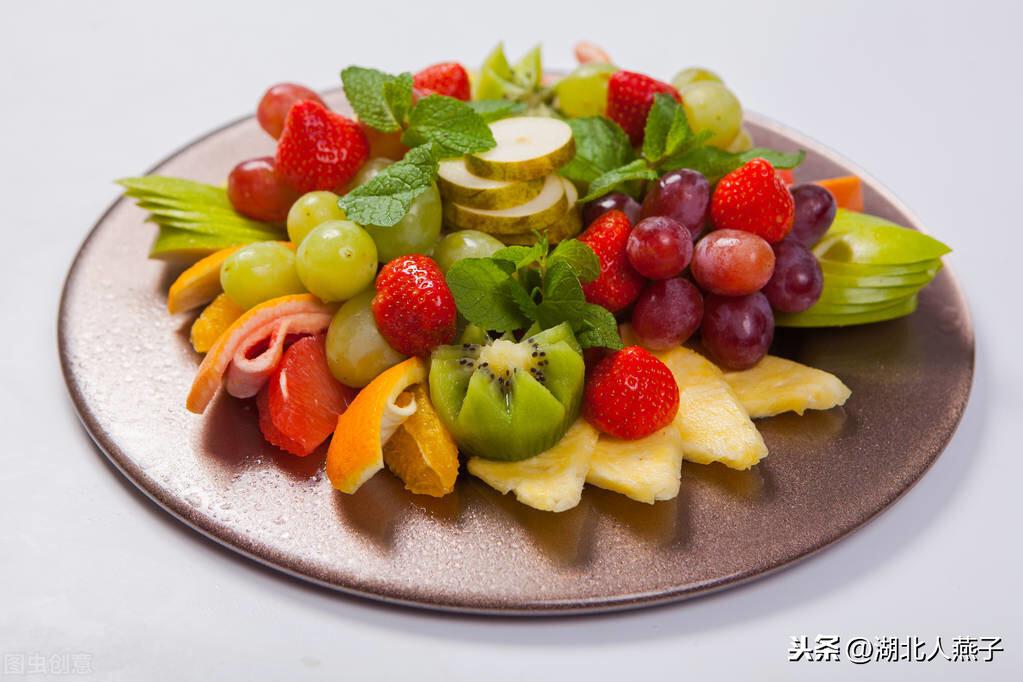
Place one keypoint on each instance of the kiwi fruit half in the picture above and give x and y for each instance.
(509, 400)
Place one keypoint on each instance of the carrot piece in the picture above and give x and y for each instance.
(847, 190)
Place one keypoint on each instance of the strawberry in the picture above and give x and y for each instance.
(413, 307)
(319, 149)
(629, 97)
(754, 199)
(447, 78)
(630, 394)
(618, 284)
(300, 402)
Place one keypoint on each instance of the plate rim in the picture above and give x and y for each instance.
(242, 545)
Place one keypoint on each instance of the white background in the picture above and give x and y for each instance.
(926, 96)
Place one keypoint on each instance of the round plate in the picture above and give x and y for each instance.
(128, 366)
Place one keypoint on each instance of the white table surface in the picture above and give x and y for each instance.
(926, 96)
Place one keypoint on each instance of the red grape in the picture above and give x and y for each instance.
(667, 313)
(608, 202)
(797, 280)
(815, 211)
(737, 330)
(659, 247)
(732, 262)
(257, 191)
(683, 195)
(276, 102)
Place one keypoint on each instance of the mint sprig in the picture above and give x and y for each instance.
(520, 285)
(606, 162)
(453, 127)
(384, 200)
(380, 100)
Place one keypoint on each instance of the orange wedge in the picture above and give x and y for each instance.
(251, 347)
(199, 284)
(422, 452)
(214, 321)
(356, 450)
(847, 190)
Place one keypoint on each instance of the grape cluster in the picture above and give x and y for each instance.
(726, 283)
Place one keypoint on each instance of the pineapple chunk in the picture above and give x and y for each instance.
(550, 481)
(646, 470)
(714, 425)
(775, 385)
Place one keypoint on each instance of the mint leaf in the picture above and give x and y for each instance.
(398, 95)
(612, 180)
(578, 256)
(518, 294)
(521, 256)
(364, 89)
(563, 298)
(384, 200)
(666, 128)
(716, 163)
(483, 296)
(600, 146)
(598, 328)
(491, 110)
(450, 124)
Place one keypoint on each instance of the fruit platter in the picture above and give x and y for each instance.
(493, 338)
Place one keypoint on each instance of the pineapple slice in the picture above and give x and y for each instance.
(646, 470)
(550, 481)
(714, 425)
(775, 385)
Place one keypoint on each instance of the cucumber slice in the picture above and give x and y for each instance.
(458, 185)
(541, 211)
(527, 147)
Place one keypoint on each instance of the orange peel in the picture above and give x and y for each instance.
(239, 357)
(356, 450)
(213, 322)
(199, 284)
(422, 452)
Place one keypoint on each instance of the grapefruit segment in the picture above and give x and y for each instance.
(300, 403)
(251, 347)
(356, 450)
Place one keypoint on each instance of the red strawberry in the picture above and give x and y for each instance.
(630, 394)
(413, 307)
(629, 97)
(319, 149)
(447, 78)
(618, 284)
(300, 402)
(754, 199)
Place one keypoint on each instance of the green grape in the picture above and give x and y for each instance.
(711, 106)
(309, 211)
(741, 142)
(584, 91)
(356, 352)
(369, 170)
(464, 244)
(337, 260)
(418, 230)
(258, 272)
(694, 74)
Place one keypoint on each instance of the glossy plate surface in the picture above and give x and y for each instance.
(128, 366)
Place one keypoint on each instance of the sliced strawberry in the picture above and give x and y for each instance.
(301, 401)
(319, 149)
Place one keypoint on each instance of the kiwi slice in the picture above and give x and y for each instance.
(540, 211)
(460, 186)
(527, 147)
(508, 400)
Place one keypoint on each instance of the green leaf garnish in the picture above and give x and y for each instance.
(380, 100)
(479, 287)
(600, 146)
(612, 180)
(667, 128)
(491, 110)
(384, 200)
(453, 127)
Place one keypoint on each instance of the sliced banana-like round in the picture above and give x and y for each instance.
(457, 184)
(565, 227)
(540, 211)
(527, 147)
